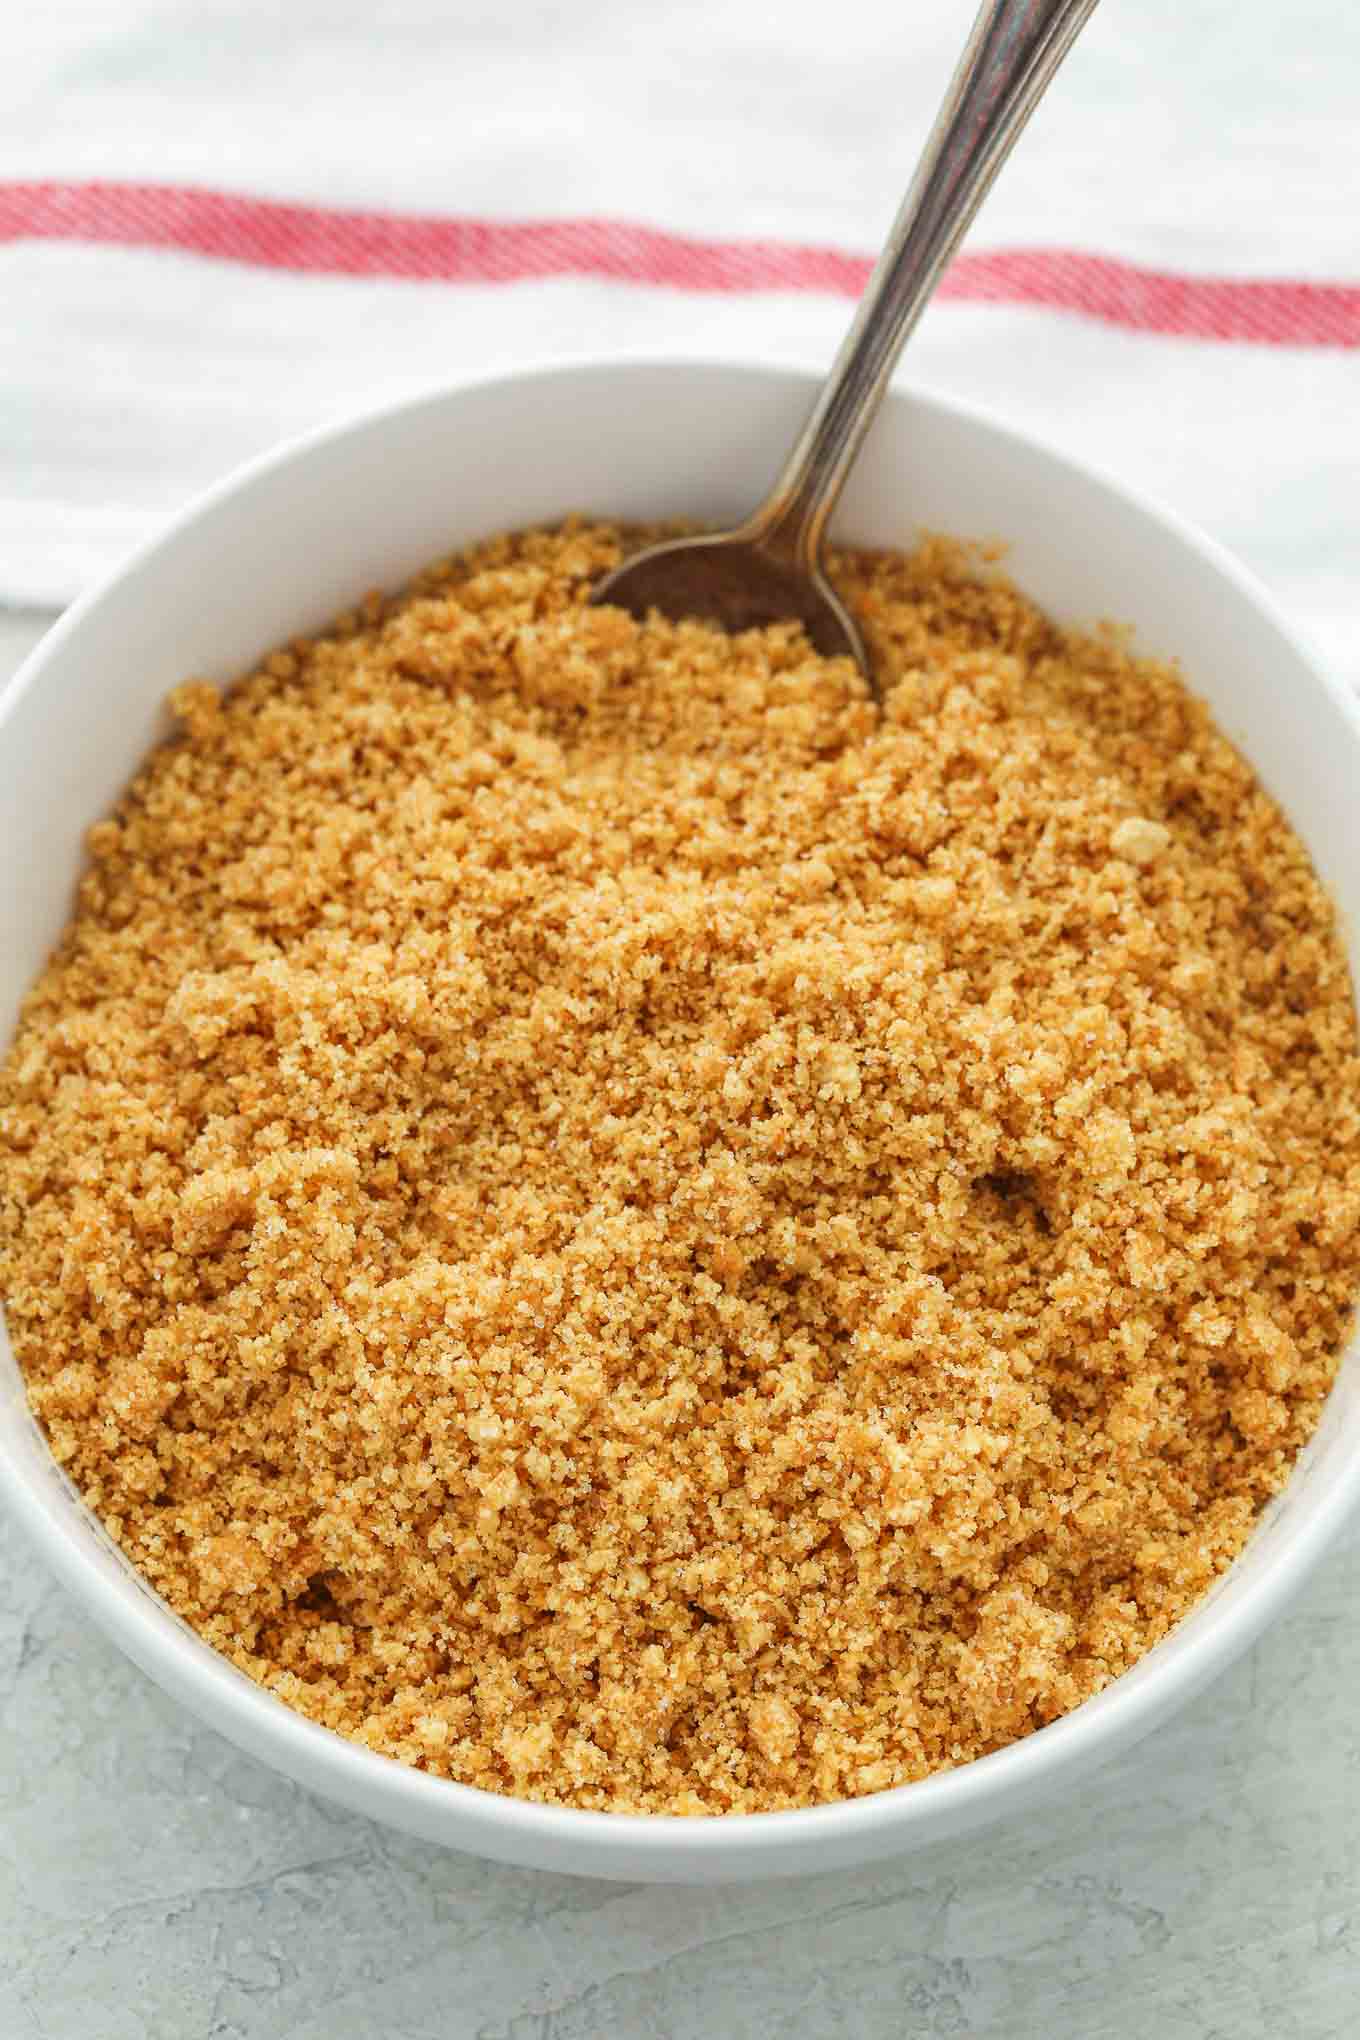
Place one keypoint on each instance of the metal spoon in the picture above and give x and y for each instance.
(771, 565)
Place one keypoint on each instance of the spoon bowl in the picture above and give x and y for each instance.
(730, 578)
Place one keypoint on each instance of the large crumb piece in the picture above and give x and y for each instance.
(616, 1227)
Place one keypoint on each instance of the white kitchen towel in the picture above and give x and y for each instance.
(223, 223)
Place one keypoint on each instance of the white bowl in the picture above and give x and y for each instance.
(292, 538)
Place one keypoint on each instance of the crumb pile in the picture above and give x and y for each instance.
(612, 1226)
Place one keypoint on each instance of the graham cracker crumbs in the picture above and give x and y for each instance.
(615, 1228)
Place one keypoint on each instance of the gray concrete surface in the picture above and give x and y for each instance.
(156, 1885)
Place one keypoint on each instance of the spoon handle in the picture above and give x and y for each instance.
(1013, 51)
